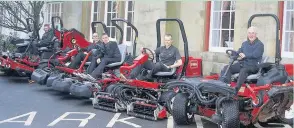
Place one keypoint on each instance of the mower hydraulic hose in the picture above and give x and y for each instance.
(195, 90)
(153, 98)
(219, 102)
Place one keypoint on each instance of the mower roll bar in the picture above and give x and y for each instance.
(184, 36)
(99, 22)
(278, 47)
(61, 27)
(28, 22)
(35, 33)
(105, 28)
(132, 26)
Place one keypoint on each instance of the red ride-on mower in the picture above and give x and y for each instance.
(69, 39)
(142, 98)
(62, 84)
(80, 86)
(264, 96)
(111, 75)
(21, 60)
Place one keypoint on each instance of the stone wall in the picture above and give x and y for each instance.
(194, 26)
(146, 14)
(72, 15)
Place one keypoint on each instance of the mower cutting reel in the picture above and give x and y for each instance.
(140, 98)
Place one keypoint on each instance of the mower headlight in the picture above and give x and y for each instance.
(73, 41)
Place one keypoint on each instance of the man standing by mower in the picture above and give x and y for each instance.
(111, 55)
(97, 44)
(250, 55)
(169, 57)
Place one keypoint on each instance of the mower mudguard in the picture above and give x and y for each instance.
(278, 90)
(62, 85)
(81, 89)
(40, 76)
(53, 77)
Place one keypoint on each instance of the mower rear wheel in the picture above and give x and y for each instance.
(230, 114)
(180, 111)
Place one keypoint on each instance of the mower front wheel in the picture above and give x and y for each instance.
(180, 110)
(230, 114)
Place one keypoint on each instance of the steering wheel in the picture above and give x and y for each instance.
(150, 53)
(233, 54)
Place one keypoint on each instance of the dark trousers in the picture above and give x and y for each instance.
(78, 60)
(244, 72)
(149, 65)
(96, 71)
(34, 48)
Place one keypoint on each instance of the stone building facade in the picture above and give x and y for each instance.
(211, 26)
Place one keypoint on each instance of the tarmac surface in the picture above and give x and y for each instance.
(35, 106)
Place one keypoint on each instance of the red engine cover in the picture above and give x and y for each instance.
(194, 67)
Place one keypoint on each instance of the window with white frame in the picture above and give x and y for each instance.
(288, 30)
(111, 9)
(222, 25)
(96, 12)
(54, 9)
(129, 15)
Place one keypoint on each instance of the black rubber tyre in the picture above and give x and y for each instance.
(286, 120)
(230, 114)
(180, 110)
(165, 99)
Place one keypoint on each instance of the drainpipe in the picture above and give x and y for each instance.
(207, 26)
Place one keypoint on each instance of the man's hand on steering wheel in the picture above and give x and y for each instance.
(234, 54)
(151, 53)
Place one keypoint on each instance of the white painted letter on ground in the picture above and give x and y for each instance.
(123, 120)
(28, 122)
(83, 121)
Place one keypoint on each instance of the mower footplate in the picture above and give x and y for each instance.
(53, 77)
(146, 111)
(105, 101)
(62, 85)
(40, 76)
(81, 89)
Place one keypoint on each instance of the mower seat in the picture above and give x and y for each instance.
(123, 51)
(253, 76)
(171, 72)
(25, 43)
(18, 55)
(43, 49)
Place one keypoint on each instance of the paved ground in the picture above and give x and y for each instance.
(35, 106)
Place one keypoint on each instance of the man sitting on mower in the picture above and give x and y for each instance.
(250, 54)
(169, 57)
(47, 37)
(97, 44)
(111, 55)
